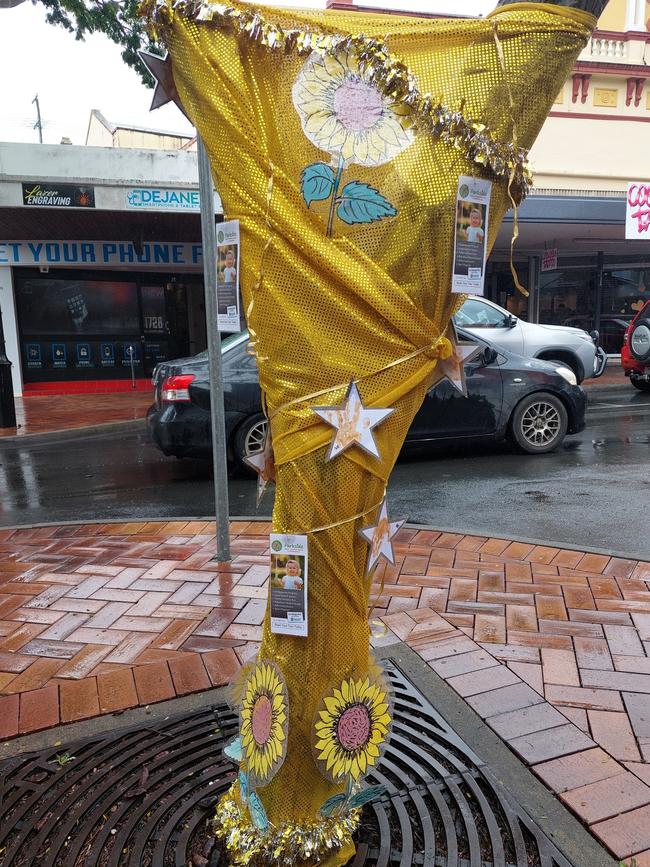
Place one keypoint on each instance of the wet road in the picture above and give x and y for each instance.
(593, 492)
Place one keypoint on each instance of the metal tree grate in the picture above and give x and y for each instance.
(140, 797)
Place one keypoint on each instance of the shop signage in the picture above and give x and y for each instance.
(637, 212)
(34, 355)
(163, 200)
(97, 253)
(107, 352)
(57, 195)
(549, 260)
(59, 355)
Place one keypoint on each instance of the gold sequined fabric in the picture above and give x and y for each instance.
(326, 310)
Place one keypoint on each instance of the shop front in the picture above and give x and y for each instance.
(594, 277)
(81, 329)
(101, 277)
(93, 328)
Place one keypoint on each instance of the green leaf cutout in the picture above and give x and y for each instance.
(360, 203)
(332, 803)
(316, 183)
(234, 750)
(258, 813)
(365, 796)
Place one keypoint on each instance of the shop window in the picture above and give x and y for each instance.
(625, 292)
(500, 287)
(77, 307)
(568, 297)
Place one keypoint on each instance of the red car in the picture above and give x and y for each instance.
(635, 354)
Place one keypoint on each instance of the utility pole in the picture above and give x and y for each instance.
(38, 125)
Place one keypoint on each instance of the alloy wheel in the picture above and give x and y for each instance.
(540, 423)
(254, 440)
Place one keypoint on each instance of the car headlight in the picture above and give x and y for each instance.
(568, 374)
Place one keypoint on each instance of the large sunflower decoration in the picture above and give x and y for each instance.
(263, 722)
(344, 113)
(351, 729)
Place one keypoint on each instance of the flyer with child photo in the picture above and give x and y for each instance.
(288, 585)
(470, 245)
(228, 318)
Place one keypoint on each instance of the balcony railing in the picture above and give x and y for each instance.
(606, 47)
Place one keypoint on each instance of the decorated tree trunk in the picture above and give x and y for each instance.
(341, 155)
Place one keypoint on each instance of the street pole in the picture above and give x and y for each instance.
(7, 404)
(219, 458)
(38, 125)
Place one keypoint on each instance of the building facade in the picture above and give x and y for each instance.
(595, 141)
(100, 264)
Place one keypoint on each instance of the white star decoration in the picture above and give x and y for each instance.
(379, 538)
(453, 368)
(264, 465)
(353, 423)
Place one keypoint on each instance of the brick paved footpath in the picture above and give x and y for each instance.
(551, 647)
(41, 414)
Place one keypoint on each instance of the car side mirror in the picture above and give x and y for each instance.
(511, 322)
(490, 355)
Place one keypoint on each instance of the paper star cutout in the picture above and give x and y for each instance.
(353, 423)
(161, 70)
(379, 538)
(264, 465)
(453, 368)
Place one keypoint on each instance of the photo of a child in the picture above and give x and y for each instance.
(470, 222)
(228, 264)
(286, 572)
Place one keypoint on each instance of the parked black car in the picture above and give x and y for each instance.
(533, 403)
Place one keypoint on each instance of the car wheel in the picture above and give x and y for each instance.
(641, 384)
(249, 439)
(539, 423)
(640, 340)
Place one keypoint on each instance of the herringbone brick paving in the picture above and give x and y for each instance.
(551, 647)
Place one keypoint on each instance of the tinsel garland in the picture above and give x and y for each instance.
(286, 845)
(504, 160)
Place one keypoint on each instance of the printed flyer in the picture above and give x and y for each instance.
(228, 317)
(288, 586)
(470, 238)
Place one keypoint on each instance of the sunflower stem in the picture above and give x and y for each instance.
(335, 191)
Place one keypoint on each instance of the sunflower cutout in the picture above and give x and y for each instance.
(344, 113)
(351, 729)
(263, 722)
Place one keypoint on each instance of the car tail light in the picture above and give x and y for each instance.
(176, 389)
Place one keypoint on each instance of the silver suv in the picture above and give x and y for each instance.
(558, 344)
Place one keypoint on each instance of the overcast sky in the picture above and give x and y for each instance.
(71, 77)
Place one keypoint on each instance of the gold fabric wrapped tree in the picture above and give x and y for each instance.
(340, 156)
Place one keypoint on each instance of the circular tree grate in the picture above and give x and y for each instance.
(142, 797)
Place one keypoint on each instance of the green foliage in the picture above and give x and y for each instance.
(117, 19)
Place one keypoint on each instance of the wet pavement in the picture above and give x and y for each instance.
(592, 492)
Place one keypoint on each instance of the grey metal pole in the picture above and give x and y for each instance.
(219, 457)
